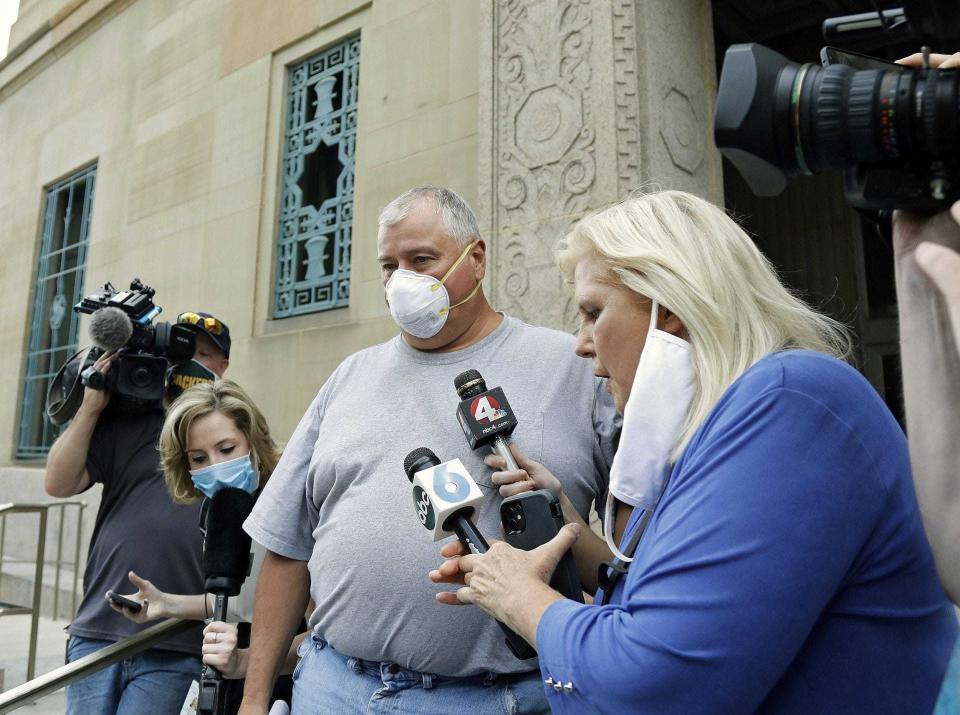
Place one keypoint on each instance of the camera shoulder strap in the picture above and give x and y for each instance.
(610, 572)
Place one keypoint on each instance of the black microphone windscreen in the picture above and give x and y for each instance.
(110, 329)
(226, 548)
(469, 383)
(418, 459)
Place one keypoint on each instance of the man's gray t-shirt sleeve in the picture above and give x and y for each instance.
(283, 518)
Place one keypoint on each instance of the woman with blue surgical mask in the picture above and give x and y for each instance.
(213, 437)
(767, 551)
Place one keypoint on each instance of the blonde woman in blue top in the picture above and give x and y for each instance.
(784, 567)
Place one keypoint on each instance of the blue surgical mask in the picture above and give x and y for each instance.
(238, 473)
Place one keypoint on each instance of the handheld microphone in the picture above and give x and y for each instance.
(445, 496)
(226, 547)
(485, 415)
(226, 564)
(110, 329)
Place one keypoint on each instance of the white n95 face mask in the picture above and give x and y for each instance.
(660, 396)
(420, 303)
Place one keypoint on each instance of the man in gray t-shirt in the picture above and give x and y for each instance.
(337, 516)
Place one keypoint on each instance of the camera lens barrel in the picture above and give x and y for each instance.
(838, 120)
(777, 119)
(831, 99)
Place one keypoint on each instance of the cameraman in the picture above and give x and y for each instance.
(927, 255)
(928, 291)
(137, 527)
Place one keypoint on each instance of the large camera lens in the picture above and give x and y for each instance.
(141, 377)
(777, 119)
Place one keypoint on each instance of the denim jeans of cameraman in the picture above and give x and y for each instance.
(326, 681)
(154, 682)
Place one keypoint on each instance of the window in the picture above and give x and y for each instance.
(59, 286)
(316, 203)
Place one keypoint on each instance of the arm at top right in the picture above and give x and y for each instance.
(283, 591)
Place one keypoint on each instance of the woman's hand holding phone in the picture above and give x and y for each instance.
(148, 597)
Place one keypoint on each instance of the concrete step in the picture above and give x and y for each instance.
(51, 647)
(16, 586)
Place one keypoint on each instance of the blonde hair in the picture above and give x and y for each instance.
(694, 260)
(223, 396)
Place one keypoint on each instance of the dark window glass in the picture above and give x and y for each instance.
(59, 286)
(316, 204)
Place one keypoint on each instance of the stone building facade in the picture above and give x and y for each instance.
(234, 155)
(536, 111)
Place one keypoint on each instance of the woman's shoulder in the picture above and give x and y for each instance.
(802, 405)
(804, 372)
(795, 386)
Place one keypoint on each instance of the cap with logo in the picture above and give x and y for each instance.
(213, 328)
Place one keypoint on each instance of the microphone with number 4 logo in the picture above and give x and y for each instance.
(485, 415)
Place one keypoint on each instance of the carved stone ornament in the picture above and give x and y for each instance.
(546, 125)
(544, 148)
(682, 131)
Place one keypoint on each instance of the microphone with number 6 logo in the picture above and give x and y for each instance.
(445, 497)
(485, 415)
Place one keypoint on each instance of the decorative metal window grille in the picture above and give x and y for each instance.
(316, 205)
(53, 324)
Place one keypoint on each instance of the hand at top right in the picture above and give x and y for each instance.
(937, 61)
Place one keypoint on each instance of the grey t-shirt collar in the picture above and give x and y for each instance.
(501, 332)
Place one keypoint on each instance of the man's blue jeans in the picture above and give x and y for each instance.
(154, 682)
(326, 681)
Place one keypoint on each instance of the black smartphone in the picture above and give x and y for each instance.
(533, 518)
(856, 61)
(124, 602)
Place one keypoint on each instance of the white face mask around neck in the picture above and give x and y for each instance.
(662, 390)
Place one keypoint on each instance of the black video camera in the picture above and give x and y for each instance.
(122, 321)
(895, 131)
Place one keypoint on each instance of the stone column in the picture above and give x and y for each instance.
(581, 102)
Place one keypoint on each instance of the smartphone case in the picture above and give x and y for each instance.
(543, 518)
(125, 602)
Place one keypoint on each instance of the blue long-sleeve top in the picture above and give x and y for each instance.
(785, 568)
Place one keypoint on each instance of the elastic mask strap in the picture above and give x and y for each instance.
(610, 572)
(436, 286)
(654, 306)
(471, 294)
(255, 463)
(608, 524)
